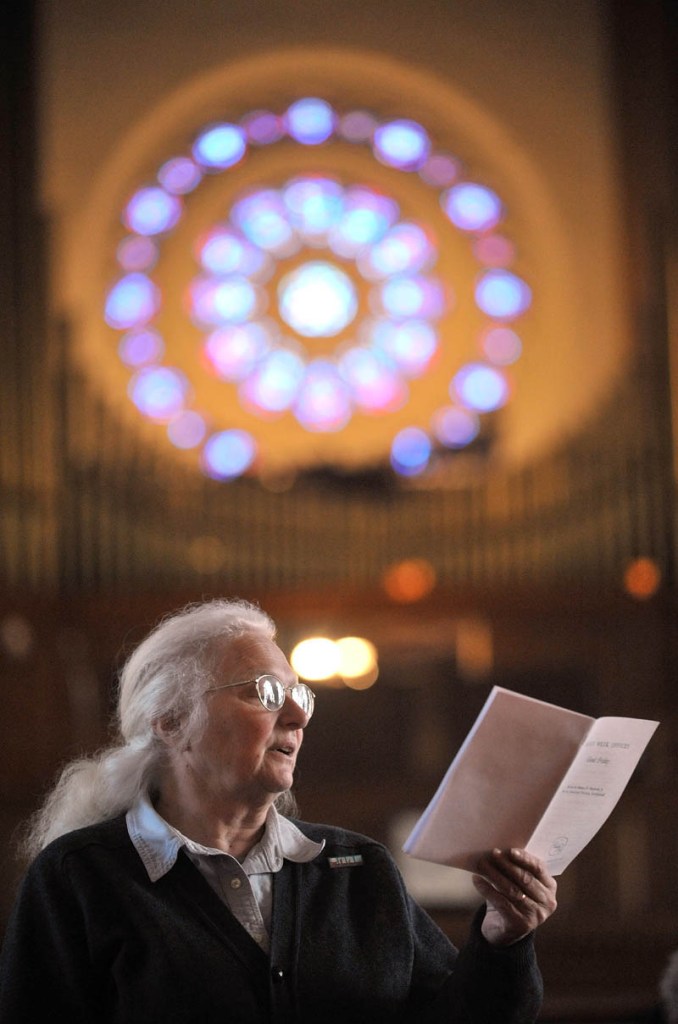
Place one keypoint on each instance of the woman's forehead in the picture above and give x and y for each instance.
(251, 655)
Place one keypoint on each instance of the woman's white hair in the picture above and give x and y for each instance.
(668, 989)
(164, 678)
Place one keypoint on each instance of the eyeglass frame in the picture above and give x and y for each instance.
(286, 689)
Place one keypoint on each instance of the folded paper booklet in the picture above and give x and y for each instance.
(532, 775)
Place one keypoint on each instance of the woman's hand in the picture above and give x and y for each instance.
(519, 892)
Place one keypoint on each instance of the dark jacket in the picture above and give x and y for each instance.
(92, 939)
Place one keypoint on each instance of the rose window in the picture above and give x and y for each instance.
(315, 302)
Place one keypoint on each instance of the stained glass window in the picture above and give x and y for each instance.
(317, 298)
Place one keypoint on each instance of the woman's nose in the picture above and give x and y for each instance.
(293, 713)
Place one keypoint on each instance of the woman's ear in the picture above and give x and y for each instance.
(167, 727)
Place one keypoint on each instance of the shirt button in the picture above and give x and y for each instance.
(278, 974)
(236, 883)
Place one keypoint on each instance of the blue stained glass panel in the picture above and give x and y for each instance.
(310, 121)
(220, 146)
(229, 454)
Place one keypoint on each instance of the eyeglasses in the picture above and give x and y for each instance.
(272, 693)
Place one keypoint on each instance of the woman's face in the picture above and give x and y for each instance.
(246, 755)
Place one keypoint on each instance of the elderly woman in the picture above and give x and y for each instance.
(169, 882)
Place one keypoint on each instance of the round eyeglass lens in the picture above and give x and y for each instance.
(271, 692)
(303, 696)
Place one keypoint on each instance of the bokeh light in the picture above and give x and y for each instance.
(263, 127)
(159, 392)
(501, 345)
(474, 648)
(132, 302)
(187, 430)
(357, 656)
(137, 252)
(274, 383)
(363, 682)
(228, 454)
(494, 250)
(351, 659)
(404, 249)
(233, 352)
(314, 206)
(642, 578)
(180, 175)
(137, 348)
(502, 295)
(151, 211)
(480, 387)
(317, 299)
(410, 451)
(403, 144)
(358, 126)
(222, 251)
(455, 427)
(358, 665)
(439, 170)
(230, 300)
(220, 146)
(374, 381)
(366, 216)
(409, 580)
(412, 297)
(410, 344)
(262, 217)
(472, 207)
(324, 400)
(315, 659)
(310, 121)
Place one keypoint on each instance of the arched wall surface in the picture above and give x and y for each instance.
(484, 84)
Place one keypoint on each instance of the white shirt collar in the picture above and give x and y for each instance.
(158, 843)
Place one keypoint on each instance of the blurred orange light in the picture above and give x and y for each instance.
(357, 657)
(315, 659)
(409, 580)
(642, 578)
(474, 646)
(364, 681)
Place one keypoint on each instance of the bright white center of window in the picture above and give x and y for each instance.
(317, 300)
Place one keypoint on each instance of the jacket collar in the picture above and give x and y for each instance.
(158, 843)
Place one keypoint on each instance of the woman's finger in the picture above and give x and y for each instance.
(519, 876)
